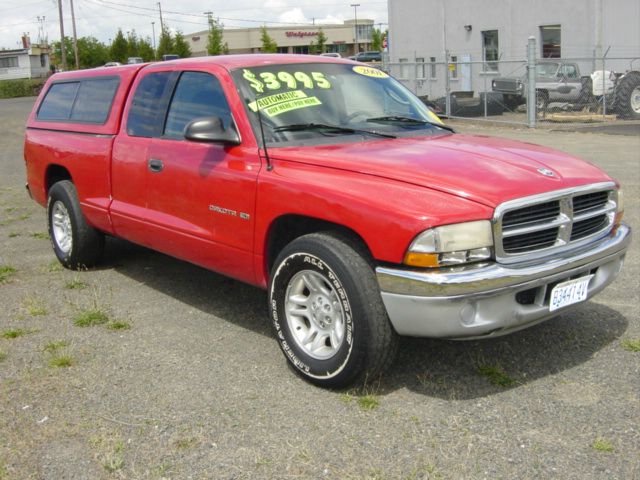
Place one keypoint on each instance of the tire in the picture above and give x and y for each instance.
(627, 99)
(336, 332)
(542, 101)
(75, 243)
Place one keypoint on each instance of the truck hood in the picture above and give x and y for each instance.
(484, 169)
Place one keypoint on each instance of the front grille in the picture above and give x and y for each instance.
(506, 85)
(537, 225)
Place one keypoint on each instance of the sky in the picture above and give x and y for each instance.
(102, 18)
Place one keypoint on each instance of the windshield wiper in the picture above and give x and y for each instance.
(407, 120)
(297, 127)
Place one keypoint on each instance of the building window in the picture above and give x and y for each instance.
(434, 73)
(421, 71)
(9, 62)
(490, 50)
(453, 67)
(551, 37)
(365, 33)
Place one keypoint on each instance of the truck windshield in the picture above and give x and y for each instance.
(546, 69)
(354, 102)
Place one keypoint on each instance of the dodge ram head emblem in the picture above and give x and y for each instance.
(546, 172)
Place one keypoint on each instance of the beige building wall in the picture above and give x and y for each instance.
(290, 39)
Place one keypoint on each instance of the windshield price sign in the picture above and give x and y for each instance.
(278, 80)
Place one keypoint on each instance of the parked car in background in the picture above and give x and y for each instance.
(134, 60)
(170, 56)
(367, 57)
(331, 54)
(112, 64)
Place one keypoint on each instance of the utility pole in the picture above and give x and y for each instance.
(161, 23)
(355, 10)
(209, 15)
(63, 52)
(153, 29)
(75, 36)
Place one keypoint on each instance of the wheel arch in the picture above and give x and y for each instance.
(286, 228)
(55, 173)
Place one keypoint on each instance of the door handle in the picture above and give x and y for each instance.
(155, 165)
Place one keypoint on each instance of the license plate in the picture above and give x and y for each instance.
(569, 292)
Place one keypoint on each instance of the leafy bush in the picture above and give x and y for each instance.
(20, 88)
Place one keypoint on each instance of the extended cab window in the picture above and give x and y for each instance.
(84, 101)
(197, 95)
(147, 109)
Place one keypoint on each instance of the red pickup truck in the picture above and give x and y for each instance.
(329, 184)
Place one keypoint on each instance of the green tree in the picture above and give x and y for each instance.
(57, 54)
(268, 44)
(166, 44)
(320, 46)
(145, 50)
(376, 40)
(132, 44)
(182, 48)
(214, 44)
(92, 53)
(119, 48)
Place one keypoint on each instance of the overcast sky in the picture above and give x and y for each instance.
(102, 18)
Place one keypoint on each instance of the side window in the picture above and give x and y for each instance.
(147, 110)
(58, 102)
(197, 95)
(570, 71)
(94, 100)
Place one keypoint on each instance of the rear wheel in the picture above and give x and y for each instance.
(327, 312)
(628, 96)
(542, 101)
(76, 244)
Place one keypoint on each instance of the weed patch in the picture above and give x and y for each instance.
(631, 344)
(602, 445)
(368, 402)
(3, 356)
(61, 361)
(75, 284)
(40, 235)
(119, 326)
(89, 318)
(53, 347)
(5, 273)
(34, 306)
(496, 375)
(15, 333)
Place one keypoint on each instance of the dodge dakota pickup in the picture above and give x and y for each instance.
(330, 185)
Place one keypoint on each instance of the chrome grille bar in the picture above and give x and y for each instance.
(549, 223)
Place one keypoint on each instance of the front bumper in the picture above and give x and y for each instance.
(492, 299)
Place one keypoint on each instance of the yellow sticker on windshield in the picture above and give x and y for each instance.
(291, 105)
(265, 102)
(435, 118)
(370, 72)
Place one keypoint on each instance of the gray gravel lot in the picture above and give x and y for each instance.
(197, 388)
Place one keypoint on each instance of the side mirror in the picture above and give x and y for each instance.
(211, 129)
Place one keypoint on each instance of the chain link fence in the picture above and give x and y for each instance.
(529, 91)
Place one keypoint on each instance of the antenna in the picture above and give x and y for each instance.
(264, 142)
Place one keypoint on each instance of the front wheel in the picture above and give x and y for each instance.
(75, 243)
(327, 312)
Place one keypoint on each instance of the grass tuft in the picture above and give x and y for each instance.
(55, 266)
(368, 402)
(603, 445)
(185, 443)
(119, 326)
(40, 235)
(89, 318)
(13, 234)
(61, 361)
(34, 306)
(53, 347)
(631, 344)
(5, 273)
(496, 375)
(15, 333)
(75, 284)
(3, 356)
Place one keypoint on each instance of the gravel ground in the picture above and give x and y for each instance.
(195, 387)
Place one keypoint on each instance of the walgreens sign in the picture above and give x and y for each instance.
(301, 34)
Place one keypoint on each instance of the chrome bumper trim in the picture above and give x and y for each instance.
(480, 301)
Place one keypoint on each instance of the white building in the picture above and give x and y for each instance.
(32, 62)
(494, 34)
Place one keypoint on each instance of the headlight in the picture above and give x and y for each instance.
(493, 84)
(451, 245)
(520, 85)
